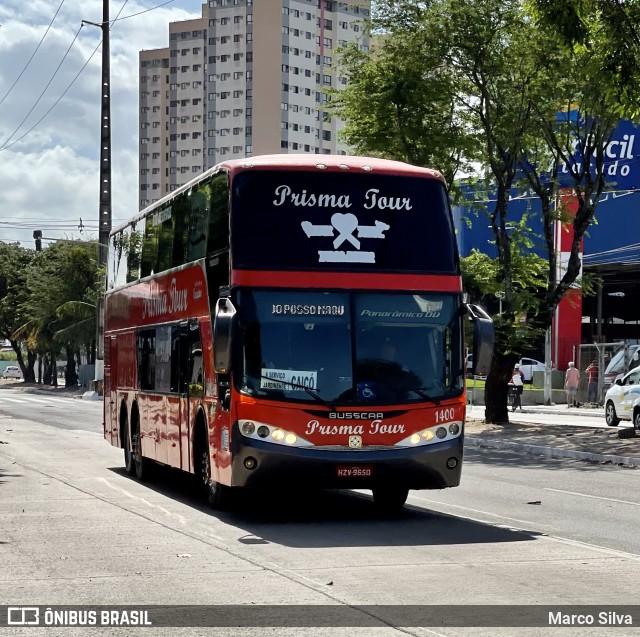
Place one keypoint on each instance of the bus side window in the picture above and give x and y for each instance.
(149, 248)
(146, 347)
(196, 377)
(219, 216)
(134, 257)
(180, 210)
(165, 242)
(198, 222)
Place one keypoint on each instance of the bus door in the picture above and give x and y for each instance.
(110, 391)
(175, 406)
(195, 379)
(180, 380)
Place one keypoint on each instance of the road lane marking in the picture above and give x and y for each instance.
(545, 536)
(594, 497)
(119, 489)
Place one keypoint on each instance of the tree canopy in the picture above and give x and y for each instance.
(48, 304)
(510, 92)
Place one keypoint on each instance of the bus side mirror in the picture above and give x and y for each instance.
(483, 339)
(222, 330)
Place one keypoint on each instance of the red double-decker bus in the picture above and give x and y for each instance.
(292, 319)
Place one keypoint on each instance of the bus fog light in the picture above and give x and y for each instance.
(441, 432)
(263, 431)
(415, 439)
(277, 434)
(427, 435)
(250, 463)
(452, 463)
(290, 439)
(248, 428)
(454, 429)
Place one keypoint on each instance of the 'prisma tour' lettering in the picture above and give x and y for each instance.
(159, 304)
(372, 199)
(374, 427)
(285, 194)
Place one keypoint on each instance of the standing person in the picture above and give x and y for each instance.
(592, 377)
(517, 382)
(571, 382)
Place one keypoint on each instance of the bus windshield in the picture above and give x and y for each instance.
(343, 348)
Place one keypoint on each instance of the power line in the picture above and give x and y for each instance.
(6, 146)
(33, 54)
(64, 57)
(133, 15)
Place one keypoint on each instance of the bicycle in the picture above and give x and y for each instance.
(515, 399)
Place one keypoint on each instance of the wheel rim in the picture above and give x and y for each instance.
(206, 469)
(610, 413)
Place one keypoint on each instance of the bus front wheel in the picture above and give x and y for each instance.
(218, 495)
(390, 499)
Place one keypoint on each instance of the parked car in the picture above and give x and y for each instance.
(528, 366)
(623, 398)
(12, 371)
(615, 368)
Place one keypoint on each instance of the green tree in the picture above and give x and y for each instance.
(15, 262)
(509, 75)
(62, 295)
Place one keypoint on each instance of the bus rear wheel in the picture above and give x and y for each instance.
(129, 463)
(219, 496)
(390, 499)
(142, 465)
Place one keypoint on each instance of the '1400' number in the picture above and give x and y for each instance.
(444, 415)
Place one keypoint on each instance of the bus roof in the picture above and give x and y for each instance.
(330, 162)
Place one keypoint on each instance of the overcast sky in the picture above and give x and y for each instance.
(49, 179)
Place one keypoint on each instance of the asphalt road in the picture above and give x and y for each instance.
(519, 530)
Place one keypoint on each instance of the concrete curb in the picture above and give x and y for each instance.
(551, 452)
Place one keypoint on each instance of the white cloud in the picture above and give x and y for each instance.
(51, 174)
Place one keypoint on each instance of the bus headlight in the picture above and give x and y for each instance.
(454, 429)
(248, 428)
(270, 433)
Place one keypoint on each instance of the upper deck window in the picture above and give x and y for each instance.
(341, 222)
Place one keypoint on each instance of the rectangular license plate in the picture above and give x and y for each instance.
(355, 471)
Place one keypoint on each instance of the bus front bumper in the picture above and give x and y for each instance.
(435, 466)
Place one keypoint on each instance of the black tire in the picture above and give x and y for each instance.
(219, 496)
(129, 464)
(390, 499)
(610, 416)
(636, 420)
(142, 465)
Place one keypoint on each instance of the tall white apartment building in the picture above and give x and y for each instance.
(248, 78)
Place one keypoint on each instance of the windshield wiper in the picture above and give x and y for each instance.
(421, 392)
(312, 392)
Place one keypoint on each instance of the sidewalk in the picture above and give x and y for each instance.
(593, 444)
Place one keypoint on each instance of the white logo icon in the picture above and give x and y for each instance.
(23, 616)
(346, 226)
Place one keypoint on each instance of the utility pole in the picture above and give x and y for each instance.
(104, 209)
(104, 206)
